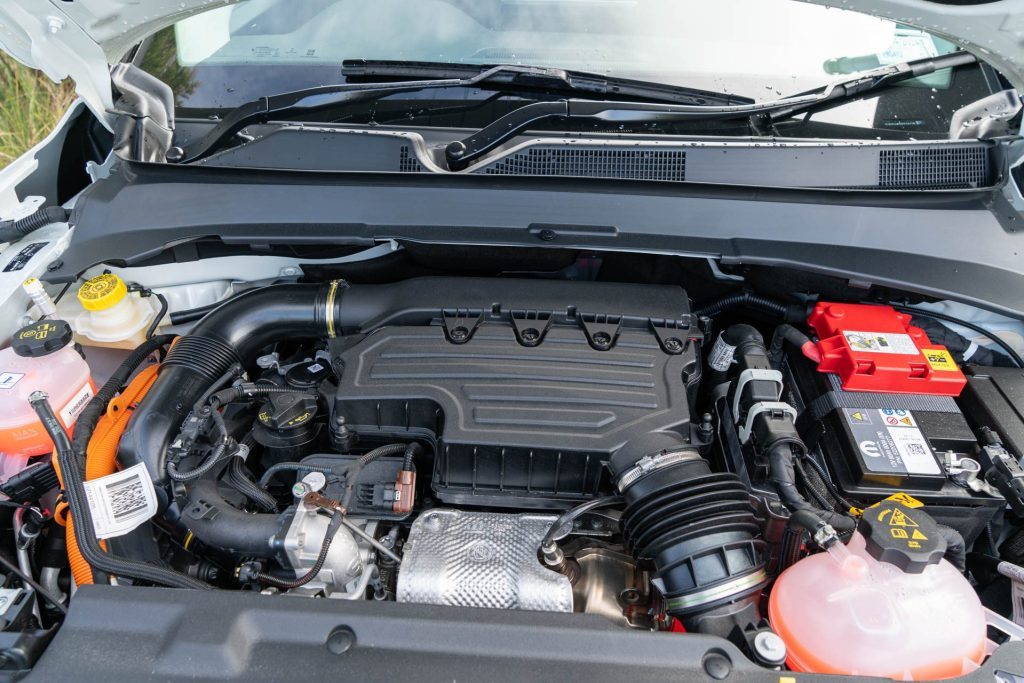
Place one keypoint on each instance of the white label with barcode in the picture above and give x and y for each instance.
(122, 501)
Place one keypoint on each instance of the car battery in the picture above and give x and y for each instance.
(876, 444)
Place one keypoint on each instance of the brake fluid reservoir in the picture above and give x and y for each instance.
(885, 604)
(40, 358)
(111, 316)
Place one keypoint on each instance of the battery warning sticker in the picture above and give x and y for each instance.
(881, 342)
(891, 442)
(940, 359)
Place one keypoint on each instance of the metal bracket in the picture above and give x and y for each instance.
(602, 330)
(459, 325)
(531, 326)
(673, 335)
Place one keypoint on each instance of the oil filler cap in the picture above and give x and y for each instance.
(41, 338)
(901, 536)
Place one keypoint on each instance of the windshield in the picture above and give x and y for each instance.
(761, 49)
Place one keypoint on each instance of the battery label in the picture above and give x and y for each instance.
(882, 342)
(891, 442)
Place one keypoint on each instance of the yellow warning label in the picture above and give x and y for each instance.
(899, 518)
(859, 417)
(913, 544)
(898, 533)
(904, 499)
(940, 359)
(787, 679)
(918, 536)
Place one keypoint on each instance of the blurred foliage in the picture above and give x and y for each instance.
(160, 58)
(30, 106)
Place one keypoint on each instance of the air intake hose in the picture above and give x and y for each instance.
(233, 333)
(696, 527)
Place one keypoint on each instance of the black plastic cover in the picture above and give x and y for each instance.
(994, 398)
(514, 424)
(906, 538)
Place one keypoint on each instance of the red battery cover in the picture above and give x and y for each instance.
(875, 348)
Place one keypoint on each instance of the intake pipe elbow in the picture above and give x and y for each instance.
(233, 333)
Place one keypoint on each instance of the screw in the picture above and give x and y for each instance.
(459, 334)
(530, 335)
(55, 265)
(630, 596)
(340, 640)
(546, 235)
(673, 345)
(289, 271)
(174, 154)
(602, 339)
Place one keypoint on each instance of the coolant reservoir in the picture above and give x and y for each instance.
(885, 604)
(40, 358)
(112, 317)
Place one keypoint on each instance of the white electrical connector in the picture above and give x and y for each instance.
(34, 288)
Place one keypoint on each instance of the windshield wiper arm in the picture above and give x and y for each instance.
(461, 153)
(309, 100)
(564, 80)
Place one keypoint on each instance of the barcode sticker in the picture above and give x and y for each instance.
(122, 501)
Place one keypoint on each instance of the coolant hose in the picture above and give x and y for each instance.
(101, 458)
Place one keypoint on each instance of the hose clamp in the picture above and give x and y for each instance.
(650, 463)
(754, 375)
(743, 584)
(763, 407)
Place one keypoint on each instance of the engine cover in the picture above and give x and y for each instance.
(516, 425)
(480, 559)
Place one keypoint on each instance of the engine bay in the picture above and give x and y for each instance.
(783, 474)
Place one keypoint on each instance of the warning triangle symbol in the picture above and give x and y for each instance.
(917, 535)
(859, 417)
(899, 518)
(906, 421)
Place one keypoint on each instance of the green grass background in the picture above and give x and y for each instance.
(30, 105)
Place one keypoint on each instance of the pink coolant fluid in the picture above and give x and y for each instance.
(40, 358)
(846, 612)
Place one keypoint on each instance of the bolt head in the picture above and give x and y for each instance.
(602, 339)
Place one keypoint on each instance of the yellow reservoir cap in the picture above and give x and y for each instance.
(102, 292)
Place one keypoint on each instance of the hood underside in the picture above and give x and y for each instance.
(81, 39)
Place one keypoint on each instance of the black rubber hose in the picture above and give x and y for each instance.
(12, 231)
(217, 523)
(321, 558)
(958, 345)
(782, 474)
(253, 390)
(787, 333)
(74, 492)
(412, 451)
(956, 547)
(788, 312)
(996, 339)
(240, 481)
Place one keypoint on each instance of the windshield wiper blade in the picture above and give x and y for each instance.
(563, 80)
(461, 153)
(309, 100)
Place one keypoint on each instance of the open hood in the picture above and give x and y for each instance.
(81, 39)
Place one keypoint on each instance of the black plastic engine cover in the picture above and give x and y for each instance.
(516, 425)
